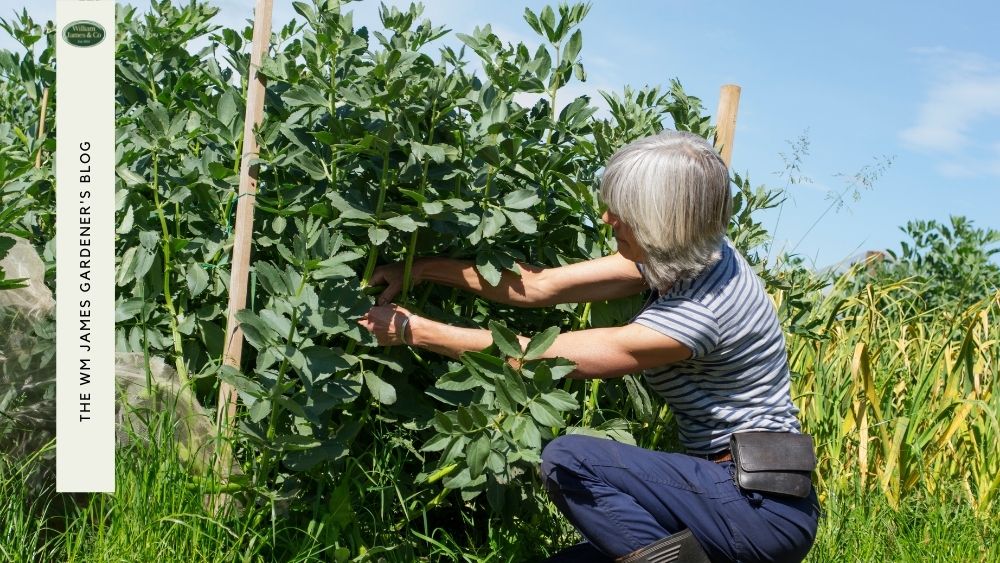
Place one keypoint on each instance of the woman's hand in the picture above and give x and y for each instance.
(389, 324)
(391, 276)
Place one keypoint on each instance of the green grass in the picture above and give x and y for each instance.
(866, 528)
(158, 514)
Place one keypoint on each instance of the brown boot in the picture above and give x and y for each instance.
(680, 548)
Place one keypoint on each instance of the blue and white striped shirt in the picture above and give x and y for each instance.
(737, 377)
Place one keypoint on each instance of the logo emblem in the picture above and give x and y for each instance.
(83, 33)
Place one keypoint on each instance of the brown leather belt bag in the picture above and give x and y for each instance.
(774, 462)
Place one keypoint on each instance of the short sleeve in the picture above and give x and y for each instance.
(685, 320)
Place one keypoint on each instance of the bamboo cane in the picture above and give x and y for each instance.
(41, 126)
(725, 121)
(226, 411)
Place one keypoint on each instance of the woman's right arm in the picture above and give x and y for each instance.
(609, 277)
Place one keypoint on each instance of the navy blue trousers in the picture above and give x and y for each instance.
(622, 498)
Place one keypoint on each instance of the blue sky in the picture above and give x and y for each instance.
(915, 82)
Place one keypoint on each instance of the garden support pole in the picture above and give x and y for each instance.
(725, 121)
(41, 126)
(233, 348)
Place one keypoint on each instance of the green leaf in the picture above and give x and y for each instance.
(490, 154)
(385, 361)
(415, 196)
(236, 378)
(257, 332)
(548, 20)
(542, 377)
(260, 409)
(504, 400)
(513, 383)
(197, 279)
(443, 424)
(435, 152)
(455, 450)
(321, 361)
(560, 367)
(125, 310)
(483, 364)
(347, 209)
(304, 10)
(573, 47)
(130, 178)
(522, 221)
(143, 262)
(476, 456)
(521, 199)
(436, 443)
(304, 95)
(255, 337)
(640, 398)
(278, 224)
(332, 268)
(149, 240)
(271, 278)
(433, 207)
(128, 221)
(277, 322)
(541, 342)
(487, 269)
(458, 480)
(506, 340)
(306, 459)
(126, 267)
(377, 235)
(228, 108)
(561, 400)
(526, 433)
(532, 20)
(465, 421)
(459, 380)
(491, 222)
(381, 390)
(403, 223)
(545, 414)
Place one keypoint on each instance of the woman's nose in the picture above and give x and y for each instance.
(606, 217)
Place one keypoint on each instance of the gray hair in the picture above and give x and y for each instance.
(672, 190)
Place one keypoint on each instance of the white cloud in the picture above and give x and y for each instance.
(954, 121)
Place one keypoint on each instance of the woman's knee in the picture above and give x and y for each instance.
(571, 453)
(562, 452)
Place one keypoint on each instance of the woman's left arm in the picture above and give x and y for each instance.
(598, 353)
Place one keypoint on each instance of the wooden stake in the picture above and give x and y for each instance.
(226, 412)
(725, 121)
(41, 126)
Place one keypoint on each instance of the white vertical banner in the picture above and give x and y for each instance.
(85, 245)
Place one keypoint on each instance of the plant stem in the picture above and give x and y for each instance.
(658, 431)
(412, 248)
(168, 299)
(552, 96)
(272, 423)
(383, 186)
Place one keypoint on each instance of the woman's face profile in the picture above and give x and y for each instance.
(627, 245)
